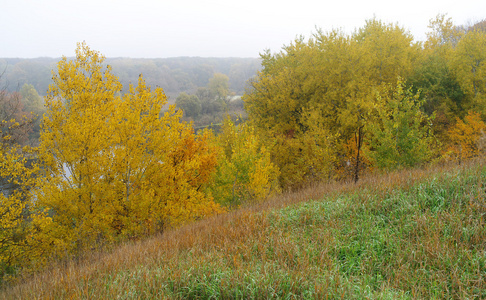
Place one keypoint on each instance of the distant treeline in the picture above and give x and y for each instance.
(174, 75)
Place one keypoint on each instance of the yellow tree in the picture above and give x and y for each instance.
(469, 66)
(111, 162)
(75, 148)
(244, 172)
(218, 85)
(402, 137)
(444, 34)
(303, 77)
(390, 51)
(12, 207)
(19, 223)
(379, 54)
(159, 165)
(466, 136)
(434, 78)
(335, 76)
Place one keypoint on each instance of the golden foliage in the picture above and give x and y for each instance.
(19, 223)
(314, 96)
(469, 67)
(245, 171)
(113, 165)
(467, 137)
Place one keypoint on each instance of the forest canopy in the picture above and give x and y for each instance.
(371, 99)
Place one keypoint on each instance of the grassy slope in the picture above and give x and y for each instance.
(408, 235)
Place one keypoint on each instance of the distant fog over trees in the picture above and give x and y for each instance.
(174, 75)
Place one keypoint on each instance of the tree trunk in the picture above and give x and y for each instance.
(359, 140)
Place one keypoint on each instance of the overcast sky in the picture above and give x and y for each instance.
(214, 28)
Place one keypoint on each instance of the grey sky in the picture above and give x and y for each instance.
(216, 28)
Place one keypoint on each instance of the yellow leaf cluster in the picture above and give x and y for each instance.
(18, 246)
(245, 171)
(467, 137)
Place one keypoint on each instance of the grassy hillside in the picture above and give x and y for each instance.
(416, 234)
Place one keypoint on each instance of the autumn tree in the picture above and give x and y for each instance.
(336, 76)
(218, 85)
(467, 137)
(385, 53)
(469, 67)
(12, 207)
(113, 165)
(31, 100)
(16, 123)
(75, 149)
(34, 105)
(190, 104)
(402, 137)
(480, 26)
(213, 97)
(160, 167)
(245, 172)
(443, 33)
(435, 78)
(390, 51)
(290, 85)
(449, 73)
(19, 223)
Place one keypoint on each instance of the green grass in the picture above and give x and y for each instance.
(386, 239)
